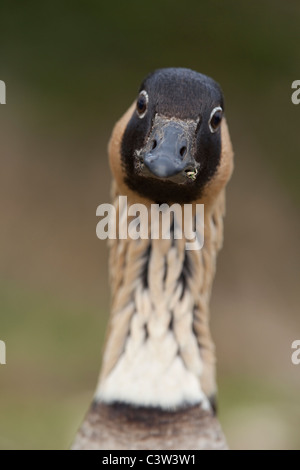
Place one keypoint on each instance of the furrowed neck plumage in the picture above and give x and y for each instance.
(159, 351)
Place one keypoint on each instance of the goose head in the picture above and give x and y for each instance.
(173, 145)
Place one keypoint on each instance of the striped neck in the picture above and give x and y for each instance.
(159, 351)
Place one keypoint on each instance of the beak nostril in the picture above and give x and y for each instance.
(154, 144)
(182, 151)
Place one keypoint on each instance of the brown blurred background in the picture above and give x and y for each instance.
(71, 69)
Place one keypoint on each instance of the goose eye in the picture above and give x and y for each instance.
(215, 119)
(142, 104)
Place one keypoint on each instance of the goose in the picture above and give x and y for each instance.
(157, 386)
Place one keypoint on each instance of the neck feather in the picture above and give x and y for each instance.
(159, 351)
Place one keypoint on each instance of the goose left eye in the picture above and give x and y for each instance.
(142, 104)
(215, 119)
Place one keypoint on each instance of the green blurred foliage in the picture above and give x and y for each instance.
(86, 59)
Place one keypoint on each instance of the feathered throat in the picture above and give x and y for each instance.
(159, 350)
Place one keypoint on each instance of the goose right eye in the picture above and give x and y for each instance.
(142, 104)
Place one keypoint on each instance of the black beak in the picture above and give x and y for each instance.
(168, 151)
